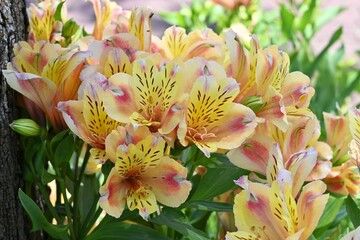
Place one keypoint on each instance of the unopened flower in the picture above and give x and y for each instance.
(26, 127)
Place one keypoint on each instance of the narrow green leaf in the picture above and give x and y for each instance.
(58, 137)
(331, 210)
(210, 206)
(334, 38)
(125, 231)
(327, 15)
(64, 150)
(57, 15)
(38, 219)
(175, 219)
(353, 211)
(287, 21)
(308, 16)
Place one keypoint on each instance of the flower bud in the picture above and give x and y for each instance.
(254, 102)
(26, 127)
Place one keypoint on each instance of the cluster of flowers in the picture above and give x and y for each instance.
(133, 96)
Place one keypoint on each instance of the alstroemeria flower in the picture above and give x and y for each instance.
(338, 135)
(43, 25)
(142, 175)
(268, 213)
(111, 56)
(344, 179)
(354, 120)
(46, 74)
(153, 96)
(213, 121)
(262, 155)
(88, 119)
(264, 75)
(106, 11)
(176, 43)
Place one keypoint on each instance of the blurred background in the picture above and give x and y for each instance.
(349, 18)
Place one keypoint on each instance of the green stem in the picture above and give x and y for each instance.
(67, 206)
(78, 182)
(87, 227)
(51, 208)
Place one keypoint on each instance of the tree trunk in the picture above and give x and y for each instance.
(13, 23)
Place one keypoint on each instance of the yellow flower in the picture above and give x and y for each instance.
(199, 43)
(268, 213)
(88, 119)
(43, 25)
(153, 95)
(213, 121)
(265, 73)
(142, 174)
(106, 12)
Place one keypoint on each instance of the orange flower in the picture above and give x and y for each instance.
(46, 74)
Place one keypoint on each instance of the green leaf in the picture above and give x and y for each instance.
(327, 15)
(210, 206)
(175, 18)
(287, 20)
(125, 231)
(64, 150)
(334, 38)
(331, 210)
(88, 194)
(175, 219)
(58, 137)
(353, 211)
(38, 219)
(57, 15)
(217, 179)
(308, 16)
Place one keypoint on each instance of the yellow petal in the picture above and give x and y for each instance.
(134, 160)
(143, 199)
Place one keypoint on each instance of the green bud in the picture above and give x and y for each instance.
(254, 102)
(26, 127)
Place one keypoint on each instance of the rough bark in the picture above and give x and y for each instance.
(13, 23)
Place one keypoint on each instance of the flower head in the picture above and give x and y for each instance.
(142, 174)
(266, 213)
(46, 74)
